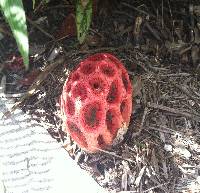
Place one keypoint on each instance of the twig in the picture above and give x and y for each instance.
(153, 68)
(158, 186)
(39, 28)
(174, 111)
(113, 154)
(153, 31)
(175, 75)
(138, 63)
(142, 122)
(162, 129)
(136, 9)
(148, 190)
(126, 46)
(187, 92)
(142, 66)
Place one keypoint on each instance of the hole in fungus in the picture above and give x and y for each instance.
(70, 108)
(92, 115)
(124, 109)
(107, 69)
(73, 127)
(125, 81)
(97, 85)
(101, 141)
(115, 61)
(112, 121)
(87, 68)
(76, 134)
(113, 95)
(75, 77)
(79, 90)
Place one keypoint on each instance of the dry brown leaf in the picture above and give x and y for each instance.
(138, 179)
(68, 27)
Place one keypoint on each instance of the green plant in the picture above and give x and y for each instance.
(83, 18)
(14, 13)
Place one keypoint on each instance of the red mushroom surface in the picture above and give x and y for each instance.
(96, 102)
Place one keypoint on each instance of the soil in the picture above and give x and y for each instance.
(159, 44)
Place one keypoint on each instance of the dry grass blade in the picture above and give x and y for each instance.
(138, 179)
(124, 182)
(154, 161)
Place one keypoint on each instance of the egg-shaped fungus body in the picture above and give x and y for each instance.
(96, 102)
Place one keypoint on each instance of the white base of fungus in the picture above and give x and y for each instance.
(120, 134)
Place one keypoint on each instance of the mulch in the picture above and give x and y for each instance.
(158, 42)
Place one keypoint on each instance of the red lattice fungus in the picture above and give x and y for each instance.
(96, 102)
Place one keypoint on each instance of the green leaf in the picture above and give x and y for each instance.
(83, 18)
(14, 13)
(33, 4)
